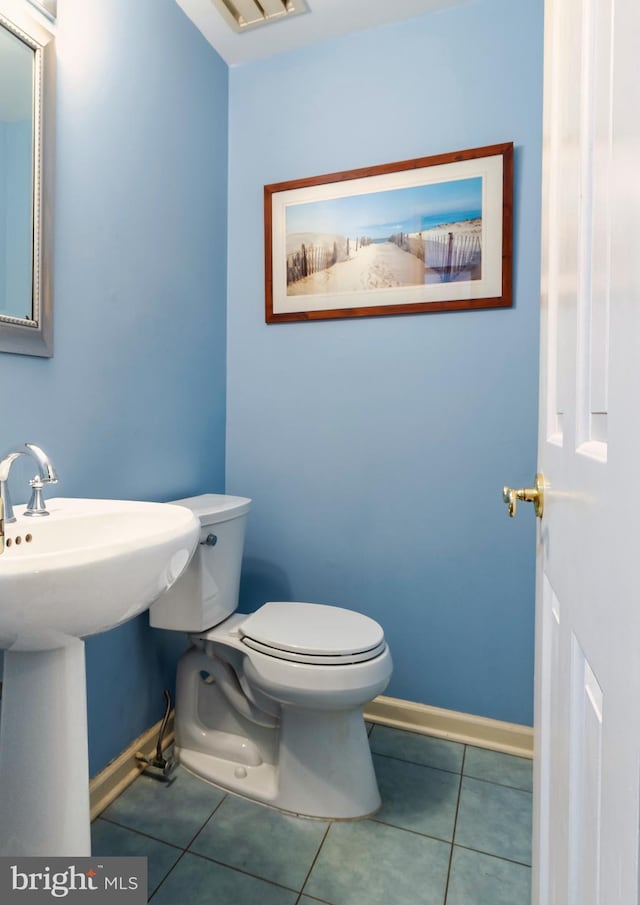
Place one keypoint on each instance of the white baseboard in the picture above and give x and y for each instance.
(121, 772)
(509, 738)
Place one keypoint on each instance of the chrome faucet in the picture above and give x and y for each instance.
(46, 475)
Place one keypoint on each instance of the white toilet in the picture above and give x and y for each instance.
(269, 705)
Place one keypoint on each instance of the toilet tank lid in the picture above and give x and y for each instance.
(212, 508)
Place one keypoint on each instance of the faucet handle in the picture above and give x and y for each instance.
(36, 506)
(47, 475)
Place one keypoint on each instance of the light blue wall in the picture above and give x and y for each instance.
(375, 449)
(133, 403)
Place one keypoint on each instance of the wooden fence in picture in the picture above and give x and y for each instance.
(450, 254)
(447, 254)
(310, 259)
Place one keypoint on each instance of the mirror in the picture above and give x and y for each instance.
(26, 152)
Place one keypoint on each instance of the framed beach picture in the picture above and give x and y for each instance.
(429, 234)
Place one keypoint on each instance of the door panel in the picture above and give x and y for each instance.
(585, 778)
(586, 813)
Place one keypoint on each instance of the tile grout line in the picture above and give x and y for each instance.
(459, 772)
(313, 898)
(183, 851)
(181, 848)
(123, 826)
(168, 873)
(415, 763)
(211, 815)
(313, 863)
(405, 829)
(240, 870)
(479, 851)
(455, 824)
(502, 785)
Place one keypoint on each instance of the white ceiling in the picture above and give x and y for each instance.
(325, 19)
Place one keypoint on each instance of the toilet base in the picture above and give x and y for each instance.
(324, 767)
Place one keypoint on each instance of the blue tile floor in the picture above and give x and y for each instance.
(454, 829)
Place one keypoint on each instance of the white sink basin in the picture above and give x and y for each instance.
(87, 567)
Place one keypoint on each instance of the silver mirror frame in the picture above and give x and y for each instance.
(24, 336)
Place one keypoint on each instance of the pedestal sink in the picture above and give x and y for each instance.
(89, 566)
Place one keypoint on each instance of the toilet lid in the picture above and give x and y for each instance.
(313, 633)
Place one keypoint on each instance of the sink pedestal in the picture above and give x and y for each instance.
(44, 762)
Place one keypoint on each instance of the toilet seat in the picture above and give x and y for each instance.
(312, 633)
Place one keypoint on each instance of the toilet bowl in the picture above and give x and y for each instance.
(269, 704)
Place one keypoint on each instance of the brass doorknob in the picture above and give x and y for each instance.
(533, 495)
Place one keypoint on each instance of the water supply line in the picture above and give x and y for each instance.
(159, 762)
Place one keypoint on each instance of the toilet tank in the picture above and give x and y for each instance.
(207, 591)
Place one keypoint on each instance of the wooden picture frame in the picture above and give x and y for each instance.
(422, 235)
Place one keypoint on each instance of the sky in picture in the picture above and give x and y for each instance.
(381, 214)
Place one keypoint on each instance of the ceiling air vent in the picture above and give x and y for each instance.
(245, 14)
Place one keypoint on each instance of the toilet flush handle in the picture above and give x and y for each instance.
(210, 541)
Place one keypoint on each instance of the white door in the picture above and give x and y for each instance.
(588, 602)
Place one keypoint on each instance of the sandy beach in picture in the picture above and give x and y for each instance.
(382, 240)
